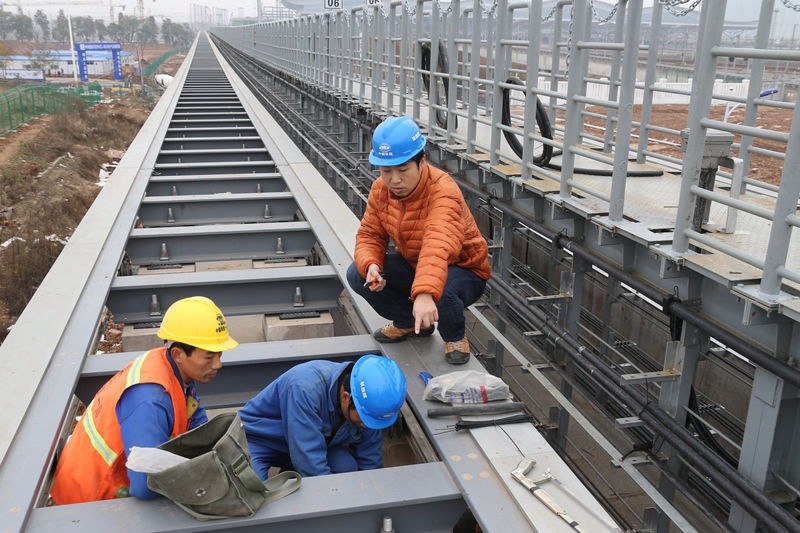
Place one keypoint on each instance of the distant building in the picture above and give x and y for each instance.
(58, 63)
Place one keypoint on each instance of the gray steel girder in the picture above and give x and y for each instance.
(238, 292)
(237, 183)
(217, 209)
(420, 498)
(189, 244)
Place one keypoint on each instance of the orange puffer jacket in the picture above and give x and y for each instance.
(432, 228)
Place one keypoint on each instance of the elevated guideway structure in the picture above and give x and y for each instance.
(644, 306)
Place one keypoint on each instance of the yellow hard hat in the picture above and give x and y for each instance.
(198, 322)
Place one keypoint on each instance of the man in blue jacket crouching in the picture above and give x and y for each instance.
(322, 417)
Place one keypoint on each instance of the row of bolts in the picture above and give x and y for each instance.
(155, 307)
(171, 214)
(164, 254)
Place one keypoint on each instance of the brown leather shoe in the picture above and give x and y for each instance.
(391, 333)
(457, 352)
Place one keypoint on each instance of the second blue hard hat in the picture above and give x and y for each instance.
(378, 389)
(395, 141)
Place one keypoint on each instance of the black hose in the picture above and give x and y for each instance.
(442, 66)
(703, 432)
(546, 130)
(542, 121)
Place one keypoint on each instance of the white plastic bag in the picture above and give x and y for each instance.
(152, 460)
(466, 386)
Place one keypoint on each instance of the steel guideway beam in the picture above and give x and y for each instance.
(204, 100)
(185, 155)
(222, 167)
(234, 116)
(240, 292)
(215, 184)
(210, 123)
(218, 142)
(213, 109)
(206, 131)
(190, 244)
(217, 209)
(200, 97)
(420, 498)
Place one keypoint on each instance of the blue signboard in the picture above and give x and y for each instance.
(82, 48)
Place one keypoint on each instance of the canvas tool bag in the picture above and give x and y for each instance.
(217, 481)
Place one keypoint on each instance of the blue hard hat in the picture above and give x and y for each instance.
(378, 389)
(395, 141)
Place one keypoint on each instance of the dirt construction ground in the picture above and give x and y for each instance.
(675, 116)
(51, 168)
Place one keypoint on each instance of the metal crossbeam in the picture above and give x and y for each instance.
(239, 292)
(419, 498)
(234, 183)
(217, 209)
(189, 244)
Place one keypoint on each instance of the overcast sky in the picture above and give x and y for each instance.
(178, 10)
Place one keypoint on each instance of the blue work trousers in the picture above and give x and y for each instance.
(462, 288)
(339, 460)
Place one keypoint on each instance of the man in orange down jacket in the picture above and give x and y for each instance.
(145, 404)
(441, 263)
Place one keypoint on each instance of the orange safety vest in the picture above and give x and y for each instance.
(92, 464)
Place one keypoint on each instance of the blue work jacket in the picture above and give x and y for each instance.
(299, 415)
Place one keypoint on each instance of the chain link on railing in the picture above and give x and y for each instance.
(795, 7)
(489, 10)
(443, 11)
(597, 17)
(569, 39)
(550, 15)
(383, 10)
(672, 4)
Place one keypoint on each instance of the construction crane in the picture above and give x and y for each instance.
(30, 6)
(53, 3)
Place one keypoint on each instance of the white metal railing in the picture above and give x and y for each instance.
(447, 66)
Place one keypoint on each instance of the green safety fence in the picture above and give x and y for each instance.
(22, 104)
(152, 67)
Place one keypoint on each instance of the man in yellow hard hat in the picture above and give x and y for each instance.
(146, 403)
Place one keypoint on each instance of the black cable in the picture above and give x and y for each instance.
(637, 447)
(443, 67)
(542, 121)
(514, 419)
(771, 517)
(704, 434)
(546, 130)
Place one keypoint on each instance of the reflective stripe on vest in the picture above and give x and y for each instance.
(134, 374)
(98, 443)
